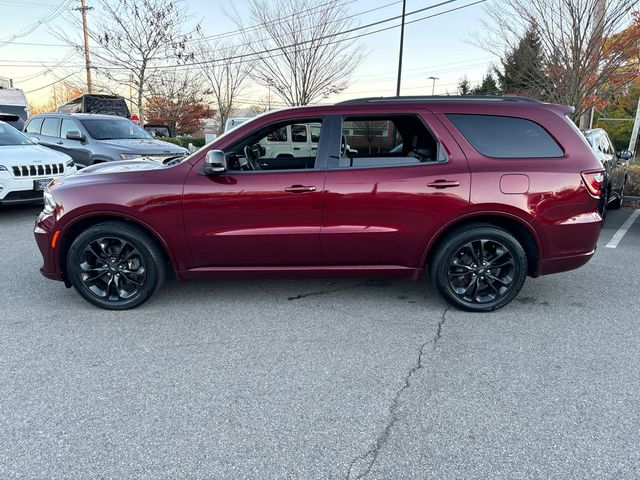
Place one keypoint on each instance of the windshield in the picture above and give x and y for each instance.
(113, 128)
(11, 136)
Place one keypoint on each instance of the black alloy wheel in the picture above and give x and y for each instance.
(112, 269)
(481, 268)
(115, 265)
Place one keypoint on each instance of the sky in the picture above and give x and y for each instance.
(442, 46)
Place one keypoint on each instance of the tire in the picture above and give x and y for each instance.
(465, 282)
(115, 266)
(604, 202)
(617, 203)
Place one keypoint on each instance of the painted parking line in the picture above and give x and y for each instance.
(613, 243)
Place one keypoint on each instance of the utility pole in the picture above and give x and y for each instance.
(87, 57)
(433, 84)
(404, 9)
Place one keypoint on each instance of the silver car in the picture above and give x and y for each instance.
(90, 139)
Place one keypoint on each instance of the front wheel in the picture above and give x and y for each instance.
(479, 269)
(115, 266)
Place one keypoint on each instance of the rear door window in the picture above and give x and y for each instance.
(506, 137)
(34, 125)
(387, 141)
(51, 127)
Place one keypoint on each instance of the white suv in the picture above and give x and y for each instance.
(27, 168)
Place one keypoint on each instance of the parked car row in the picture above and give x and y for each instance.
(91, 139)
(616, 166)
(27, 168)
(72, 141)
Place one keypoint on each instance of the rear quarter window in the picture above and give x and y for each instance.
(506, 137)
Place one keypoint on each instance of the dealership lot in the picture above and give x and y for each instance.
(321, 379)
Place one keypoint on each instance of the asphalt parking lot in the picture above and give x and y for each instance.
(306, 379)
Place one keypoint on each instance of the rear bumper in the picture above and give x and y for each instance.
(43, 233)
(563, 264)
(570, 244)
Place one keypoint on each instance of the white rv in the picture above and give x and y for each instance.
(14, 102)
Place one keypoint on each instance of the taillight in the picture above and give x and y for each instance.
(593, 180)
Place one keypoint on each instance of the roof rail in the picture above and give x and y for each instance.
(441, 98)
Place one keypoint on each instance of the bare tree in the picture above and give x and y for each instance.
(224, 76)
(177, 98)
(133, 39)
(580, 66)
(371, 130)
(300, 49)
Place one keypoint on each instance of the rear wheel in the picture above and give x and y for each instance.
(617, 203)
(115, 266)
(480, 268)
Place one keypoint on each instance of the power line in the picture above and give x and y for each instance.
(281, 20)
(332, 35)
(275, 37)
(53, 83)
(55, 13)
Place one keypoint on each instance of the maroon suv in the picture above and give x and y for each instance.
(480, 191)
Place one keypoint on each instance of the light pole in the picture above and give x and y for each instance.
(433, 84)
(404, 9)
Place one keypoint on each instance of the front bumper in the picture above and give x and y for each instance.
(21, 189)
(13, 190)
(44, 231)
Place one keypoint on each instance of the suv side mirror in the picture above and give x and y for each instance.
(75, 135)
(214, 163)
(625, 155)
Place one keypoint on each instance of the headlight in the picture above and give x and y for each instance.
(3, 168)
(49, 203)
(129, 156)
(70, 164)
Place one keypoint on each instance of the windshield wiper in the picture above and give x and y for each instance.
(172, 160)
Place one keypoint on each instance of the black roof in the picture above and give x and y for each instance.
(442, 98)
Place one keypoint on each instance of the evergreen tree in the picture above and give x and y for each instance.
(489, 86)
(523, 69)
(464, 86)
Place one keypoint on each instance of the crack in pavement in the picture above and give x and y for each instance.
(361, 466)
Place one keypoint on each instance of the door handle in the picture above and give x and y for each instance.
(300, 188)
(296, 148)
(59, 143)
(444, 184)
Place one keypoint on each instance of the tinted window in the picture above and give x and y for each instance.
(279, 135)
(506, 137)
(68, 126)
(299, 133)
(387, 141)
(51, 127)
(34, 125)
(315, 133)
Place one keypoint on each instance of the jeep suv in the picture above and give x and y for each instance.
(90, 139)
(479, 192)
